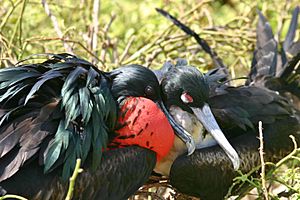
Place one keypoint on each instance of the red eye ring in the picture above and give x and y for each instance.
(186, 98)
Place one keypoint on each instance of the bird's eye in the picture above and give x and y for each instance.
(186, 98)
(149, 91)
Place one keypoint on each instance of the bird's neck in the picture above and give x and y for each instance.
(191, 124)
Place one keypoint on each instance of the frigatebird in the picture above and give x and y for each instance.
(208, 173)
(237, 111)
(273, 69)
(65, 108)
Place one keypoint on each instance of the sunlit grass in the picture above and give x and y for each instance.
(132, 32)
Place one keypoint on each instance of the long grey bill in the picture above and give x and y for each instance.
(207, 119)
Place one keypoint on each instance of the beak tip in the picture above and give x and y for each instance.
(205, 116)
(236, 162)
(236, 165)
(191, 147)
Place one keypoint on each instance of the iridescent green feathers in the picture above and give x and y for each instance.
(69, 111)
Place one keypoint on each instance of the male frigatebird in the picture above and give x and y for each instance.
(208, 173)
(65, 108)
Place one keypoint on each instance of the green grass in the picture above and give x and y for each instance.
(132, 32)
(148, 37)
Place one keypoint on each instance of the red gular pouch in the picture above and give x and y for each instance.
(144, 125)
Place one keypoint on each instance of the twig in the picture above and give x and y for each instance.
(107, 27)
(151, 194)
(162, 35)
(152, 56)
(21, 20)
(115, 54)
(17, 24)
(261, 154)
(282, 182)
(56, 26)
(71, 41)
(294, 152)
(8, 14)
(295, 158)
(12, 196)
(95, 28)
(281, 19)
(77, 170)
(125, 52)
(240, 180)
(106, 38)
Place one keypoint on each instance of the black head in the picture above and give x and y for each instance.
(136, 81)
(185, 87)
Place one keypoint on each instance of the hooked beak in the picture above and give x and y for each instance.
(179, 130)
(207, 119)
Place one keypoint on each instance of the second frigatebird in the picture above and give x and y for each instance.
(208, 173)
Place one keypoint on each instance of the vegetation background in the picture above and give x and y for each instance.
(117, 32)
(111, 33)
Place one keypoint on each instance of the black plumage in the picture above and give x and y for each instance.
(237, 111)
(62, 109)
(274, 69)
(208, 173)
(121, 173)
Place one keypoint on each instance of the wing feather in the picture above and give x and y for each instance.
(57, 111)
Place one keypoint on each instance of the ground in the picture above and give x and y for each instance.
(115, 33)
